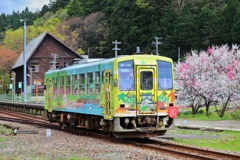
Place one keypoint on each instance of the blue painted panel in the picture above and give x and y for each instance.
(92, 109)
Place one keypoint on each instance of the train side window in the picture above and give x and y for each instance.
(82, 83)
(62, 89)
(97, 82)
(68, 84)
(55, 87)
(89, 83)
(74, 84)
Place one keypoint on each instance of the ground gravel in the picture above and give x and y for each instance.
(31, 143)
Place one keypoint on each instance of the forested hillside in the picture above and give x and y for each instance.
(90, 26)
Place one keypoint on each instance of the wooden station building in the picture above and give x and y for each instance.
(40, 54)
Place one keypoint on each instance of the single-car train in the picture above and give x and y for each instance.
(127, 96)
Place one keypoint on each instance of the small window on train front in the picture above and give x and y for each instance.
(165, 80)
(146, 80)
(126, 76)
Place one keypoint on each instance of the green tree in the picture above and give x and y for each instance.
(231, 22)
(91, 6)
(128, 23)
(225, 22)
(15, 43)
(44, 10)
(55, 5)
(50, 25)
(75, 9)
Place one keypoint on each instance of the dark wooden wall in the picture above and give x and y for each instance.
(42, 56)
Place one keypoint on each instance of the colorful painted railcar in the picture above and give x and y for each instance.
(127, 96)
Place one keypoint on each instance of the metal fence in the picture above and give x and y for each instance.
(33, 98)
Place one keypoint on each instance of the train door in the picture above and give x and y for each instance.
(107, 93)
(146, 90)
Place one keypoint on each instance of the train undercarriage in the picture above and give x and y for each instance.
(120, 127)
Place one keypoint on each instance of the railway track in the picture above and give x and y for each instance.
(24, 118)
(23, 115)
(160, 145)
(183, 150)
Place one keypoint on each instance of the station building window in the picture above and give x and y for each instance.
(35, 67)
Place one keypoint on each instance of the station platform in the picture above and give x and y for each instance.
(221, 125)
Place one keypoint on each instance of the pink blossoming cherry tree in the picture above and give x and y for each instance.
(210, 77)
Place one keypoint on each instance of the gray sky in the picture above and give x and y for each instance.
(7, 6)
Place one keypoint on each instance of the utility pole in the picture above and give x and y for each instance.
(116, 49)
(24, 62)
(2, 84)
(13, 85)
(157, 43)
(30, 82)
(178, 54)
(88, 51)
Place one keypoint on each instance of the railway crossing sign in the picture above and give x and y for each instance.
(37, 82)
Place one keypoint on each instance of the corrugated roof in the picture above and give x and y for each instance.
(32, 46)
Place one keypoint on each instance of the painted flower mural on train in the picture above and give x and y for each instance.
(129, 99)
(146, 104)
(165, 98)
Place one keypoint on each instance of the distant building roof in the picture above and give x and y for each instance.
(32, 46)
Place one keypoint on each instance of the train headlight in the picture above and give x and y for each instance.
(127, 105)
(122, 105)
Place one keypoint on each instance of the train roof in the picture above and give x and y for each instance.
(85, 61)
(91, 62)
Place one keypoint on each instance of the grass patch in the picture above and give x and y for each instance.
(226, 140)
(4, 130)
(186, 131)
(201, 114)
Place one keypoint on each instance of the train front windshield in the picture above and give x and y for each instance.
(126, 76)
(165, 79)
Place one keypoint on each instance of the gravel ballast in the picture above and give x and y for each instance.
(31, 143)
